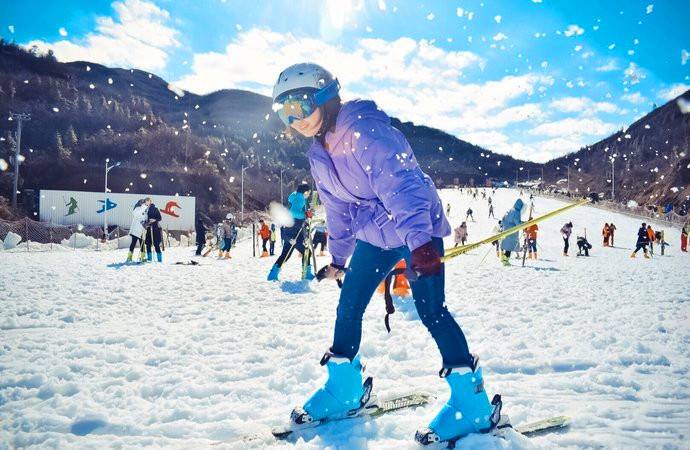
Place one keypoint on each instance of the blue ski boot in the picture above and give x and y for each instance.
(467, 411)
(149, 256)
(159, 257)
(309, 273)
(342, 395)
(273, 274)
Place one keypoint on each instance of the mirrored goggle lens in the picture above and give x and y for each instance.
(292, 109)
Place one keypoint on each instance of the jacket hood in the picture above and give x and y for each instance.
(353, 111)
(518, 205)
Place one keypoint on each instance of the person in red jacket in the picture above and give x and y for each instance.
(265, 234)
(684, 237)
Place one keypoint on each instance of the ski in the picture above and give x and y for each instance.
(375, 408)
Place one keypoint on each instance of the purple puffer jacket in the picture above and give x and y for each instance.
(371, 185)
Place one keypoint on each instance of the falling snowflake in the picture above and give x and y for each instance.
(3, 165)
(650, 8)
(430, 16)
(92, 86)
(110, 81)
(497, 19)
(143, 176)
(574, 30)
(56, 109)
(62, 31)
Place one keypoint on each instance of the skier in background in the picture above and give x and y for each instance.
(511, 219)
(469, 214)
(606, 232)
(491, 211)
(137, 228)
(612, 233)
(273, 238)
(684, 232)
(531, 233)
(320, 237)
(200, 229)
(461, 234)
(265, 234)
(375, 218)
(448, 210)
(227, 229)
(497, 229)
(566, 231)
(154, 233)
(293, 237)
(642, 241)
(651, 237)
(583, 246)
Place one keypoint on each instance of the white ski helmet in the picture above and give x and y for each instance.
(306, 75)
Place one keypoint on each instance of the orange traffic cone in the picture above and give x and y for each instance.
(401, 286)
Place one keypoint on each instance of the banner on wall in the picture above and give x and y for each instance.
(91, 208)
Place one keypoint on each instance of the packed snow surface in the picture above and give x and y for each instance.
(180, 356)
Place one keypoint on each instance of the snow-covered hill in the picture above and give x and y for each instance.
(184, 356)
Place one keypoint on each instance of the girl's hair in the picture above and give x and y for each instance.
(330, 112)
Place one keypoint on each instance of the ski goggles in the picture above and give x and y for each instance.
(301, 103)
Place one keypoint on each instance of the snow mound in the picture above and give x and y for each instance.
(11, 240)
(124, 241)
(79, 240)
(632, 204)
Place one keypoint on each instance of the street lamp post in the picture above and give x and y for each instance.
(105, 212)
(281, 185)
(19, 117)
(613, 178)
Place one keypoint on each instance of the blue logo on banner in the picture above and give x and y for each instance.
(107, 205)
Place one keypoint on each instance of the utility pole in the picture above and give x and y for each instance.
(105, 212)
(568, 167)
(19, 117)
(613, 179)
(542, 174)
(242, 194)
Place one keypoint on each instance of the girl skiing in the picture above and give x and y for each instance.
(380, 208)
(137, 228)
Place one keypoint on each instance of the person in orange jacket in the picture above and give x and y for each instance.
(652, 237)
(612, 233)
(606, 232)
(684, 237)
(265, 234)
(531, 232)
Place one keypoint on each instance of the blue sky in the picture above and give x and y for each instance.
(533, 79)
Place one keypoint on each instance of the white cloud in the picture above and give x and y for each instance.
(574, 30)
(684, 56)
(673, 91)
(572, 127)
(635, 98)
(634, 74)
(11, 28)
(139, 37)
(610, 66)
(583, 106)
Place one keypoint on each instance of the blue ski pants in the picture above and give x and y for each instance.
(368, 267)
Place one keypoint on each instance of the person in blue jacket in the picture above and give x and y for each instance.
(293, 236)
(511, 219)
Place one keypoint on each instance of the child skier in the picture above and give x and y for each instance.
(469, 213)
(583, 246)
(273, 237)
(320, 237)
(511, 219)
(380, 208)
(137, 228)
(684, 232)
(651, 238)
(531, 233)
(293, 237)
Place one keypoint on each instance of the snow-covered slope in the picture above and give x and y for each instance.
(184, 356)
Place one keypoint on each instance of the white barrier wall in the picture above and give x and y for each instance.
(89, 208)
